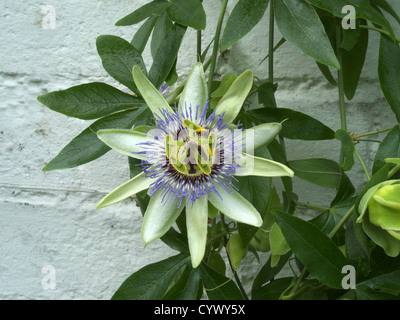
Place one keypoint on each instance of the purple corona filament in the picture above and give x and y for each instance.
(193, 184)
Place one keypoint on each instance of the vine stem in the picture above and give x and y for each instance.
(341, 222)
(379, 30)
(310, 206)
(277, 46)
(366, 134)
(216, 47)
(362, 164)
(342, 103)
(271, 43)
(198, 45)
(368, 140)
(271, 39)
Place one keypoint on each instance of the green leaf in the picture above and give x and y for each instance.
(244, 17)
(382, 264)
(89, 101)
(363, 10)
(357, 250)
(142, 36)
(347, 147)
(295, 125)
(353, 62)
(118, 57)
(267, 273)
(322, 172)
(299, 24)
(251, 188)
(325, 221)
(217, 286)
(387, 7)
(166, 55)
(313, 248)
(187, 286)
(266, 94)
(152, 281)
(160, 33)
(172, 77)
(152, 8)
(349, 37)
(188, 13)
(176, 241)
(389, 73)
(327, 73)
(384, 287)
(216, 262)
(389, 148)
(87, 146)
(345, 190)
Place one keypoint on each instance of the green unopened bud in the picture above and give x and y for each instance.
(236, 250)
(380, 215)
(384, 209)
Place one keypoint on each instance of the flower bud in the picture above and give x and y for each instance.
(380, 215)
(384, 209)
(236, 250)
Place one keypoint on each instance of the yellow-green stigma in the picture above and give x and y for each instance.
(191, 154)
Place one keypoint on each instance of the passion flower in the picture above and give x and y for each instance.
(190, 157)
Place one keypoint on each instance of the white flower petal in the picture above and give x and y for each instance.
(232, 101)
(236, 207)
(129, 188)
(195, 92)
(150, 94)
(125, 141)
(255, 166)
(196, 224)
(261, 135)
(159, 217)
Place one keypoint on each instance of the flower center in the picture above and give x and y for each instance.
(192, 151)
